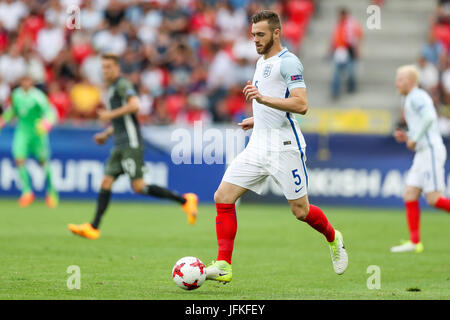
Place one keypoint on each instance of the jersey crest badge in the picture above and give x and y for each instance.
(267, 70)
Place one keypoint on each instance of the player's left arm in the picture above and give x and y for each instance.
(128, 93)
(45, 124)
(296, 101)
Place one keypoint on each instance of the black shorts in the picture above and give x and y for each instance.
(125, 160)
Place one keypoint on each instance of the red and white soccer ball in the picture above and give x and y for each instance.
(189, 273)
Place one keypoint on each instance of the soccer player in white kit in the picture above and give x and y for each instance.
(423, 137)
(276, 148)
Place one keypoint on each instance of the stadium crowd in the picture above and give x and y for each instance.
(434, 63)
(188, 59)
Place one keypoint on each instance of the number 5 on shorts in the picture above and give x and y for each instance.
(297, 178)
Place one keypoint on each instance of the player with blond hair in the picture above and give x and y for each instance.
(427, 172)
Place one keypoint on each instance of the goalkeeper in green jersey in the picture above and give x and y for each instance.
(35, 118)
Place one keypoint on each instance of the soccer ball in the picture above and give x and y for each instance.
(189, 273)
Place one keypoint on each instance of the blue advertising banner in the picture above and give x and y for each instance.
(77, 165)
(364, 170)
(353, 170)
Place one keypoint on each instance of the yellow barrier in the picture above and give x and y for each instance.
(329, 120)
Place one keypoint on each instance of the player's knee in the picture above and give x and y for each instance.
(410, 196)
(431, 200)
(300, 211)
(222, 197)
(138, 186)
(107, 183)
(19, 162)
(218, 198)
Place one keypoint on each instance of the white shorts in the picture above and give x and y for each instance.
(287, 168)
(428, 170)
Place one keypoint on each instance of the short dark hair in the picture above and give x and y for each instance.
(111, 56)
(271, 17)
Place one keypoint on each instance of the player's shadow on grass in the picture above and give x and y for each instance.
(212, 289)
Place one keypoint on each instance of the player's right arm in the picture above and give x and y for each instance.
(127, 93)
(247, 123)
(6, 117)
(101, 137)
(425, 109)
(400, 129)
(8, 114)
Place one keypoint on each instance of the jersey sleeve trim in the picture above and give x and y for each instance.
(291, 70)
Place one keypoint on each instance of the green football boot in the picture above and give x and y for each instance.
(219, 271)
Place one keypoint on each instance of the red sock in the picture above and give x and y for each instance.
(317, 219)
(226, 226)
(413, 217)
(443, 203)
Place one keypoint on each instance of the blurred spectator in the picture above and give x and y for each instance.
(161, 115)
(347, 36)
(445, 80)
(114, 13)
(35, 67)
(221, 113)
(232, 23)
(60, 99)
(152, 78)
(4, 38)
(180, 66)
(441, 23)
(131, 65)
(149, 25)
(235, 104)
(55, 14)
(196, 110)
(30, 28)
(429, 78)
(146, 105)
(175, 19)
(50, 41)
(11, 12)
(81, 48)
(433, 50)
(85, 99)
(110, 40)
(221, 71)
(443, 12)
(4, 93)
(91, 68)
(64, 67)
(298, 14)
(188, 58)
(174, 103)
(90, 18)
(12, 66)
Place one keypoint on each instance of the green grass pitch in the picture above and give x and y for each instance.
(275, 257)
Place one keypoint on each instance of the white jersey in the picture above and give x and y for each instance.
(421, 118)
(276, 130)
(428, 169)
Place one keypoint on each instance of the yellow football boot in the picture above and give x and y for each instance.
(191, 207)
